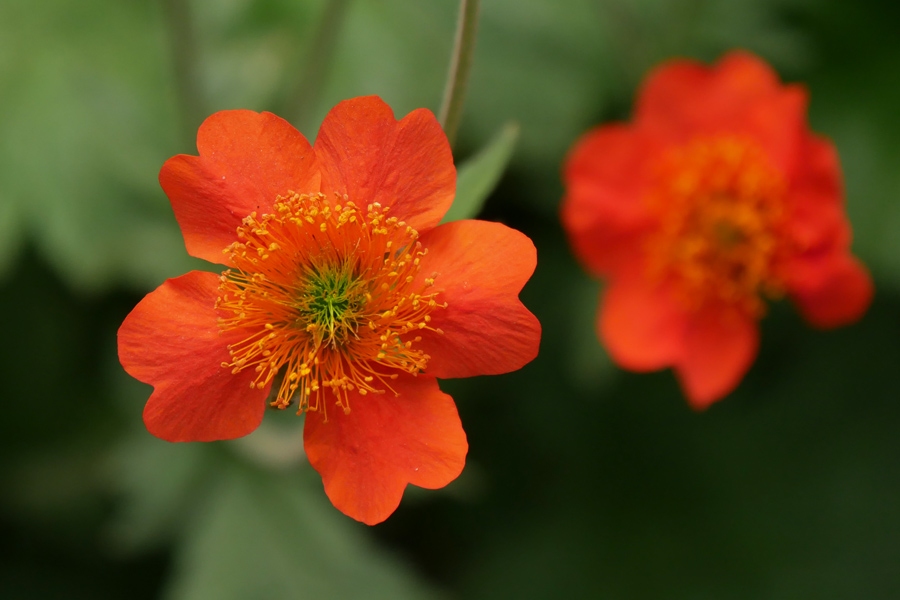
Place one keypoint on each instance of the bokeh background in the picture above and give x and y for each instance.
(582, 480)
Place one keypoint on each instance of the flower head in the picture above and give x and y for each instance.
(716, 200)
(340, 295)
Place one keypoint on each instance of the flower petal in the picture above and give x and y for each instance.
(246, 160)
(830, 287)
(639, 321)
(817, 219)
(606, 179)
(740, 94)
(832, 291)
(367, 457)
(371, 157)
(719, 347)
(480, 267)
(171, 340)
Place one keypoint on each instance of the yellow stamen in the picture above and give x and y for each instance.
(720, 210)
(326, 295)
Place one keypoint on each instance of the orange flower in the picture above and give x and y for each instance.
(715, 199)
(341, 294)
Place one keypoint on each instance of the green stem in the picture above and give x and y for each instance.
(317, 62)
(460, 65)
(184, 61)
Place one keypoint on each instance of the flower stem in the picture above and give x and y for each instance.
(184, 61)
(460, 65)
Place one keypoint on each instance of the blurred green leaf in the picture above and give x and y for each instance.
(85, 130)
(261, 535)
(478, 176)
(242, 528)
(160, 483)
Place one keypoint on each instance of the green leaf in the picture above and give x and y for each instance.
(85, 130)
(246, 523)
(477, 178)
(265, 535)
(159, 483)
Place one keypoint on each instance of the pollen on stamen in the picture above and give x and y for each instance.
(325, 294)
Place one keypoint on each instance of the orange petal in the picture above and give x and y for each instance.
(606, 179)
(740, 94)
(817, 219)
(246, 160)
(367, 457)
(830, 286)
(171, 340)
(719, 347)
(367, 154)
(640, 323)
(480, 268)
(831, 290)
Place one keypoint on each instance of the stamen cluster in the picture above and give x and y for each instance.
(328, 296)
(720, 207)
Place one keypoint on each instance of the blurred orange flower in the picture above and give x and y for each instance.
(715, 199)
(342, 295)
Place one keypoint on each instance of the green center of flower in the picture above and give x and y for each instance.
(332, 302)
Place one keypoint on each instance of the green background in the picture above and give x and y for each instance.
(582, 480)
